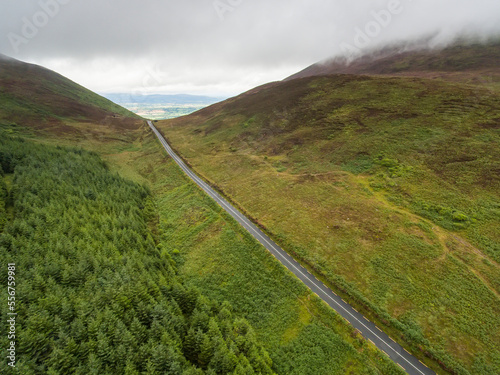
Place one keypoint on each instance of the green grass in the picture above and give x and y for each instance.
(386, 187)
(96, 290)
(213, 254)
(329, 167)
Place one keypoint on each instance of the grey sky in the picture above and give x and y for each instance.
(218, 47)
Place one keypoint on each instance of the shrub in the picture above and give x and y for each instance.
(459, 216)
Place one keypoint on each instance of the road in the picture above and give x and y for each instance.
(367, 329)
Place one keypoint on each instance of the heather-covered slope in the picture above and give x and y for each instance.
(387, 187)
(35, 97)
(141, 280)
(461, 62)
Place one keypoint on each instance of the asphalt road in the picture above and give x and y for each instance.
(367, 329)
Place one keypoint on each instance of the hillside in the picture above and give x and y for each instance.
(464, 62)
(386, 187)
(124, 266)
(35, 97)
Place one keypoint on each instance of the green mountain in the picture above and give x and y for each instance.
(466, 62)
(39, 98)
(386, 186)
(123, 266)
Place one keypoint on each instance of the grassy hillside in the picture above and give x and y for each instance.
(191, 257)
(388, 188)
(466, 62)
(33, 96)
(213, 254)
(147, 280)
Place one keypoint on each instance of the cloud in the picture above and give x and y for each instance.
(224, 46)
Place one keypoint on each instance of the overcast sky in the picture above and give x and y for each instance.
(218, 47)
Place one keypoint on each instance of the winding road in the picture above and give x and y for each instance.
(367, 329)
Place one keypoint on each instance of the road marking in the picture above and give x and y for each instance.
(263, 239)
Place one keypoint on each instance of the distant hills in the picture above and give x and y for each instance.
(160, 107)
(126, 98)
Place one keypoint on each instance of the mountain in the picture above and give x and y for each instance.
(387, 187)
(37, 97)
(6, 58)
(460, 61)
(141, 274)
(122, 98)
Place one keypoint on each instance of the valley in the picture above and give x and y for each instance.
(162, 111)
(382, 185)
(169, 257)
(366, 328)
(370, 183)
(162, 107)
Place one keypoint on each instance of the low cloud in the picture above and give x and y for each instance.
(223, 46)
